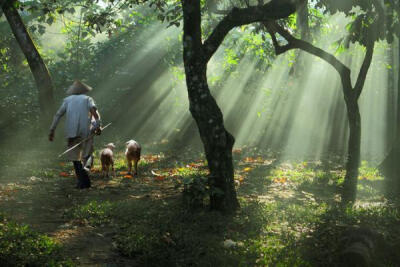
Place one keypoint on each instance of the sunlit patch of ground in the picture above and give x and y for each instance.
(286, 207)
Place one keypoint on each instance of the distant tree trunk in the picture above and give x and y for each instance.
(217, 141)
(78, 48)
(351, 96)
(354, 148)
(36, 64)
(302, 21)
(390, 166)
(2, 2)
(391, 101)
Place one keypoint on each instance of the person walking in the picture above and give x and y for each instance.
(82, 119)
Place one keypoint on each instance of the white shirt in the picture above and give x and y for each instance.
(77, 108)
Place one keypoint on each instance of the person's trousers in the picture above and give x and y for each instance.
(82, 175)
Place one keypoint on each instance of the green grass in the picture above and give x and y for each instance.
(290, 214)
(21, 246)
(93, 213)
(279, 232)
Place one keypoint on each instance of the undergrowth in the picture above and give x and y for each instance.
(21, 246)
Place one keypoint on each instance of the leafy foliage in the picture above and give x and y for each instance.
(93, 213)
(372, 21)
(20, 246)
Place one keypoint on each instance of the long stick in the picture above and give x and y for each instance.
(87, 138)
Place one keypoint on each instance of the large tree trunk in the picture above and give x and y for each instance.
(390, 166)
(35, 61)
(354, 148)
(298, 68)
(217, 141)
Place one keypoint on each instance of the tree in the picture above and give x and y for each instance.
(366, 29)
(35, 61)
(2, 2)
(217, 141)
(390, 166)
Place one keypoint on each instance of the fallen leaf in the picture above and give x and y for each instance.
(249, 159)
(160, 178)
(237, 151)
(247, 169)
(64, 174)
(280, 180)
(128, 176)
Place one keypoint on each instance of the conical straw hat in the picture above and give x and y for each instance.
(78, 88)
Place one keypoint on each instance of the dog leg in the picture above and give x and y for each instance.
(136, 163)
(113, 170)
(129, 167)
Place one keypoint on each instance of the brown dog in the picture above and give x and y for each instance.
(132, 153)
(106, 158)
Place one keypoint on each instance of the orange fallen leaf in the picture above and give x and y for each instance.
(64, 174)
(151, 158)
(123, 173)
(250, 159)
(281, 180)
(128, 176)
(160, 178)
(237, 151)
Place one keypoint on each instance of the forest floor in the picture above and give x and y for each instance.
(289, 216)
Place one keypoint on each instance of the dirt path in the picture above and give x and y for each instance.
(42, 203)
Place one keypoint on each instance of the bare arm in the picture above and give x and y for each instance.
(57, 117)
(96, 115)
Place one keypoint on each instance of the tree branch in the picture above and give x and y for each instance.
(362, 75)
(220, 12)
(275, 9)
(305, 46)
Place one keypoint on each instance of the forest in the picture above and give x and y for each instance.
(199, 133)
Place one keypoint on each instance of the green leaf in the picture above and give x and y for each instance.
(50, 20)
(41, 29)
